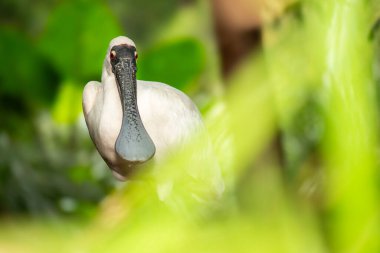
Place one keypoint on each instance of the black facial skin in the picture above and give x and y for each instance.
(133, 144)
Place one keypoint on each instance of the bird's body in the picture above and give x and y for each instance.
(132, 121)
(168, 126)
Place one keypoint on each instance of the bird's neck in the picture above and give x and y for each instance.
(128, 95)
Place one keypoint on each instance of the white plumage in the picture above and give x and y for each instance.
(168, 115)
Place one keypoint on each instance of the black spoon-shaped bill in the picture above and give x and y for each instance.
(133, 144)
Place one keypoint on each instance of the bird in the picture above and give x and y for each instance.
(133, 122)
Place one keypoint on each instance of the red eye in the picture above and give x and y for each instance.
(112, 55)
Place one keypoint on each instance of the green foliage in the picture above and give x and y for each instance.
(313, 83)
(36, 173)
(178, 63)
(144, 18)
(24, 74)
(42, 161)
(68, 104)
(351, 150)
(76, 37)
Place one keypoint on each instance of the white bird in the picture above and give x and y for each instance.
(131, 121)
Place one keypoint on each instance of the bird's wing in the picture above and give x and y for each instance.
(90, 93)
(90, 107)
(168, 115)
(175, 123)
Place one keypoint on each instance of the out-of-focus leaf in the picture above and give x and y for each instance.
(23, 73)
(142, 19)
(351, 144)
(178, 63)
(80, 174)
(301, 137)
(77, 36)
(68, 104)
(51, 233)
(192, 21)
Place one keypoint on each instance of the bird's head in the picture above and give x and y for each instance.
(120, 48)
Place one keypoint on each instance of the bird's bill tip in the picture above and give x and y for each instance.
(136, 156)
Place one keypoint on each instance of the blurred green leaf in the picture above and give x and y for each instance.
(77, 36)
(142, 19)
(178, 63)
(80, 174)
(352, 140)
(68, 104)
(23, 72)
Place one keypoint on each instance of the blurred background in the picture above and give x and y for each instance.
(288, 90)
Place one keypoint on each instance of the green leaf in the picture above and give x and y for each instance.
(23, 74)
(68, 105)
(178, 63)
(144, 18)
(77, 36)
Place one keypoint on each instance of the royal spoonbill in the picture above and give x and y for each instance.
(132, 121)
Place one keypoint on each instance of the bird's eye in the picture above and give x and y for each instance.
(112, 55)
(136, 55)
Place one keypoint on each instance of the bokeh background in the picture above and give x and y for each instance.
(288, 90)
